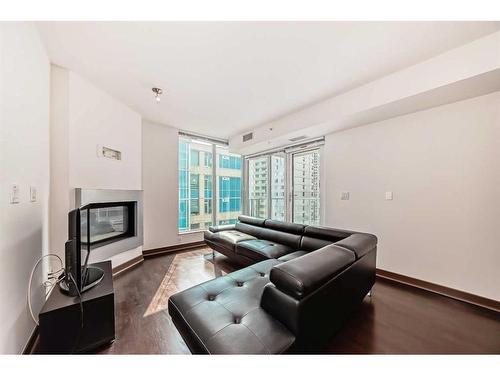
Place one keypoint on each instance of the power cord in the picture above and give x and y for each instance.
(77, 341)
(80, 300)
(54, 278)
(50, 283)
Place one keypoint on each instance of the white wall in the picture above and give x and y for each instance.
(83, 117)
(160, 177)
(24, 160)
(443, 166)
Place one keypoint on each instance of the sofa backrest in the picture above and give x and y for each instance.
(285, 227)
(305, 237)
(316, 237)
(251, 220)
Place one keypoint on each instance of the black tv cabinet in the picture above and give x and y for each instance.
(60, 325)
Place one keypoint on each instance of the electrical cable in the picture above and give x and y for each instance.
(77, 341)
(55, 275)
(80, 299)
(44, 283)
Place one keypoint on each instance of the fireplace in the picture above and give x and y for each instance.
(115, 221)
(108, 222)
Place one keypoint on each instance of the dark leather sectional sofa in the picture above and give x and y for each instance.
(300, 284)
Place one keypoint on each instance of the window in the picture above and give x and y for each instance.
(198, 208)
(228, 185)
(278, 187)
(285, 185)
(229, 194)
(257, 187)
(208, 159)
(195, 157)
(207, 195)
(226, 222)
(195, 193)
(306, 199)
(183, 185)
(230, 162)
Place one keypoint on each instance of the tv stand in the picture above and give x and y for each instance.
(94, 276)
(65, 329)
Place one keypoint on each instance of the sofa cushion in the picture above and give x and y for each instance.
(262, 249)
(224, 315)
(295, 254)
(228, 238)
(288, 239)
(311, 243)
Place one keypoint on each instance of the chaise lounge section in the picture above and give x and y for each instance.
(300, 284)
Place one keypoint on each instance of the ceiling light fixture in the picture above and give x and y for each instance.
(157, 92)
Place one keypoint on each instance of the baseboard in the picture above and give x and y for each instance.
(170, 249)
(30, 345)
(127, 265)
(443, 290)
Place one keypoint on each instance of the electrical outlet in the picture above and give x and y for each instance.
(14, 194)
(344, 196)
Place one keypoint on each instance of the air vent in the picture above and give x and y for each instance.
(247, 137)
(299, 138)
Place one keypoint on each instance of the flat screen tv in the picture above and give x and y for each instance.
(78, 276)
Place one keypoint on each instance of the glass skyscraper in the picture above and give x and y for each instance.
(196, 197)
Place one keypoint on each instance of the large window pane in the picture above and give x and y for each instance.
(278, 187)
(306, 199)
(228, 180)
(258, 170)
(195, 184)
(183, 184)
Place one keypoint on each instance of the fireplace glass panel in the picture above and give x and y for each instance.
(106, 223)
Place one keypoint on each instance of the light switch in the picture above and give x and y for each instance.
(344, 196)
(32, 194)
(14, 194)
(388, 195)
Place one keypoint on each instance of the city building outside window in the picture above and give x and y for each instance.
(197, 185)
(285, 186)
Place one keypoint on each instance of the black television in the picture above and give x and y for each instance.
(78, 276)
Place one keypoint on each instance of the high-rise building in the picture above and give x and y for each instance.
(267, 176)
(306, 188)
(196, 197)
(257, 187)
(278, 188)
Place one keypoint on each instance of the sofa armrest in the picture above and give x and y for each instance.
(301, 276)
(220, 228)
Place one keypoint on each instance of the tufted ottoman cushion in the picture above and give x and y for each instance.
(224, 315)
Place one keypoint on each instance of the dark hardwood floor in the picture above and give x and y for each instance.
(397, 319)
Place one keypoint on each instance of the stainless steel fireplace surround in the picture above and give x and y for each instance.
(130, 198)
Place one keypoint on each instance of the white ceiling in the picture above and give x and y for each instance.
(221, 78)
